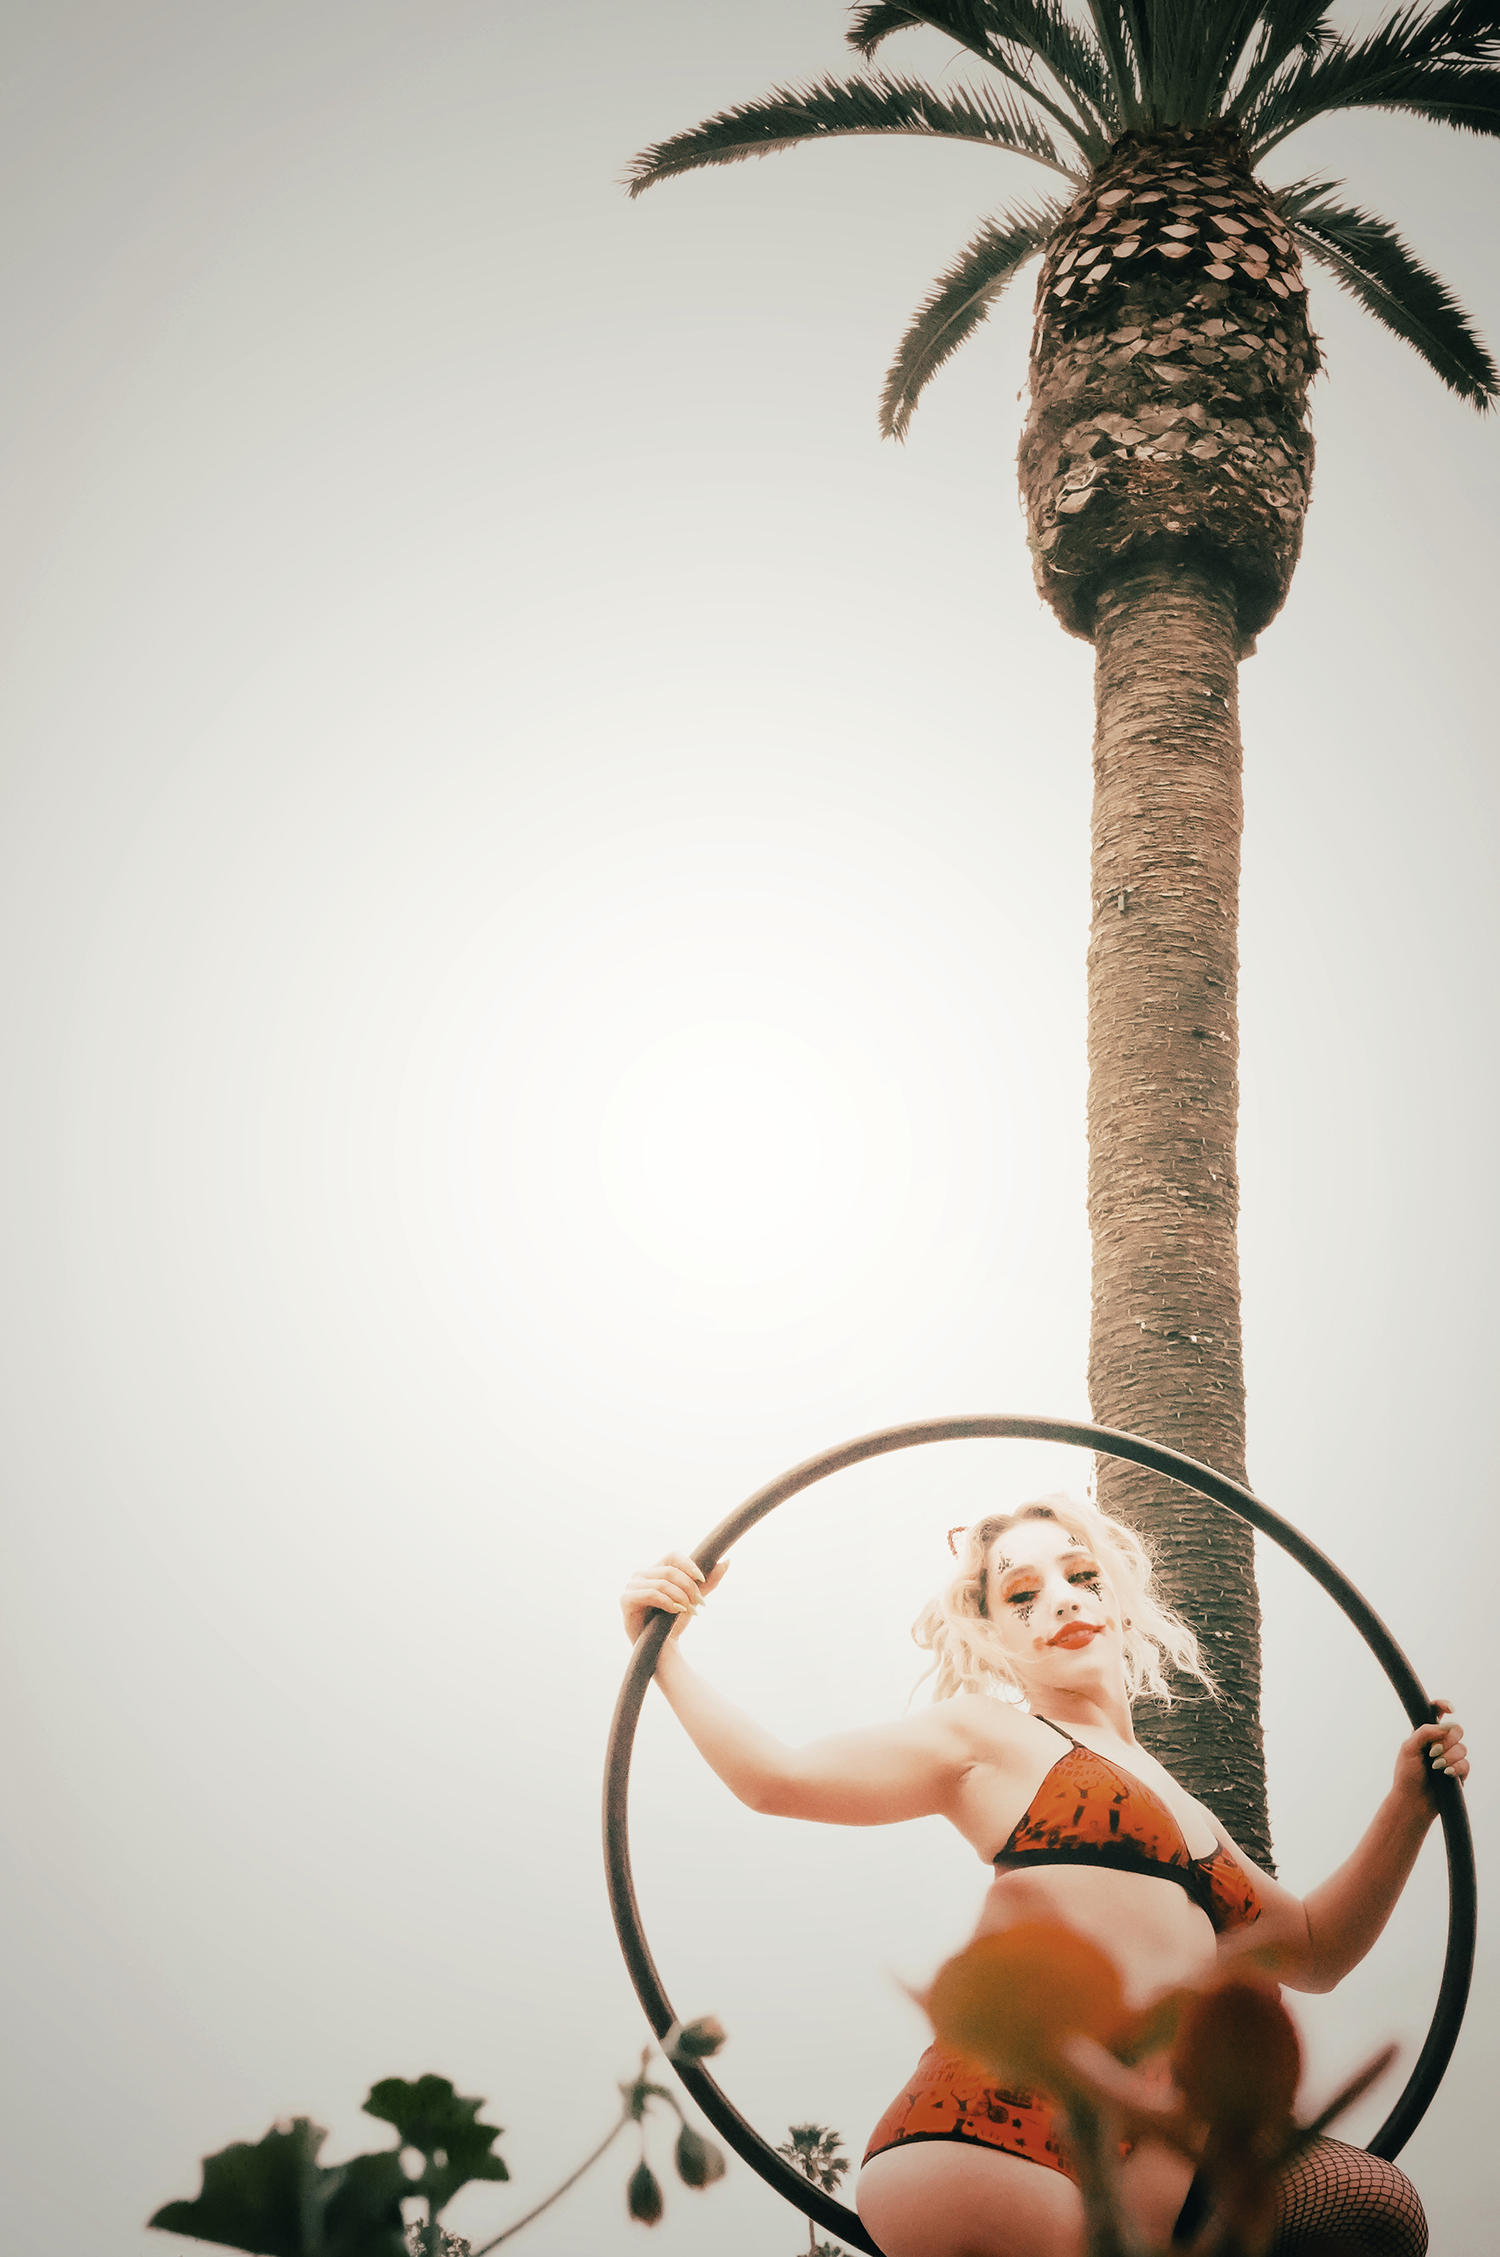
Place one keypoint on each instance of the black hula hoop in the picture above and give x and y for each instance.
(1458, 1963)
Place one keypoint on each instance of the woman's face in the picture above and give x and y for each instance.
(1054, 1610)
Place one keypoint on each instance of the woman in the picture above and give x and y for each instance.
(1052, 1610)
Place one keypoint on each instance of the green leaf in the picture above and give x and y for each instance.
(1012, 36)
(430, 2116)
(958, 302)
(363, 2216)
(788, 116)
(1415, 58)
(1287, 28)
(699, 2162)
(643, 2196)
(1467, 99)
(962, 20)
(275, 2199)
(1374, 265)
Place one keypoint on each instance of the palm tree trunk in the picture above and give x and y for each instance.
(1164, 1351)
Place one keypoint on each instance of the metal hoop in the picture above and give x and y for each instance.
(1458, 1963)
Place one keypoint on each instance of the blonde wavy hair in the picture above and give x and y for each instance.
(955, 1627)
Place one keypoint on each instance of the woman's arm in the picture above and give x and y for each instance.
(1311, 1943)
(908, 1769)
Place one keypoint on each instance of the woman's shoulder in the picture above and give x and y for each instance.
(982, 1721)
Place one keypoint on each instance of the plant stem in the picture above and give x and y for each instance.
(546, 2204)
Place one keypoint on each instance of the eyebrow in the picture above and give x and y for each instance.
(1030, 1567)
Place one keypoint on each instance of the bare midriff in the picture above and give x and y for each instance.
(1150, 1928)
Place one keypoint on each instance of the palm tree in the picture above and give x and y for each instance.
(818, 2154)
(1165, 466)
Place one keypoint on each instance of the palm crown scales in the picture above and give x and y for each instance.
(1171, 353)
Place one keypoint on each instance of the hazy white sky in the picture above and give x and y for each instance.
(544, 907)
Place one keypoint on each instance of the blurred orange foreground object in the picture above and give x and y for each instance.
(1010, 2001)
(1238, 2060)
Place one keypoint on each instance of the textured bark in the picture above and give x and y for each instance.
(1164, 1352)
(1165, 467)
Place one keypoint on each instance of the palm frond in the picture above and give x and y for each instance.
(1219, 58)
(1367, 256)
(958, 302)
(789, 115)
(1012, 36)
(1160, 32)
(1071, 54)
(876, 21)
(1466, 96)
(1114, 28)
(1468, 99)
(1379, 72)
(1287, 28)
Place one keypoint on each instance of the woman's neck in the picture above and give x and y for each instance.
(1102, 1709)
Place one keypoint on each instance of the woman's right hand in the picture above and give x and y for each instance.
(674, 1584)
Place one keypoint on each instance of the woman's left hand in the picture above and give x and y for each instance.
(1433, 1751)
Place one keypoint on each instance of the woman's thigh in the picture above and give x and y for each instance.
(943, 2198)
(1153, 2187)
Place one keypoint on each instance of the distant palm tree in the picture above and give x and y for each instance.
(818, 2154)
(1165, 465)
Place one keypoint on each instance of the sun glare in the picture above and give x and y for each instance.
(733, 1152)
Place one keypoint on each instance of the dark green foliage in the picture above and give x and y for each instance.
(1262, 68)
(1414, 55)
(643, 2196)
(276, 2199)
(1376, 267)
(817, 2153)
(790, 115)
(430, 2116)
(1013, 40)
(957, 304)
(962, 20)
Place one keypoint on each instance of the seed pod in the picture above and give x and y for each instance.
(643, 2197)
(699, 2162)
(694, 2041)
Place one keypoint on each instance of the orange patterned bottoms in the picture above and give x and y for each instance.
(947, 2099)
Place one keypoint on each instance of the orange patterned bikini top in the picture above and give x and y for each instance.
(1087, 1811)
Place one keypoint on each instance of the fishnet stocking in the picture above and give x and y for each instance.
(1337, 2201)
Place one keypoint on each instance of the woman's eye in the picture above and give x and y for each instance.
(1088, 1575)
(1019, 1598)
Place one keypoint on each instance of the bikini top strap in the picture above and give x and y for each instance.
(1057, 1728)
